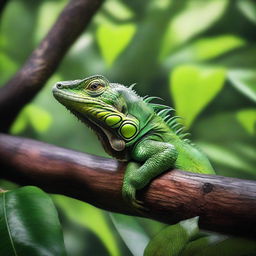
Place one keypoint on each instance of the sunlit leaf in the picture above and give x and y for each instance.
(193, 87)
(132, 233)
(38, 117)
(113, 39)
(244, 81)
(32, 115)
(247, 118)
(198, 16)
(205, 49)
(20, 124)
(248, 8)
(91, 218)
(29, 224)
(118, 9)
(171, 240)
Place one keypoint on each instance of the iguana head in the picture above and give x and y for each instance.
(101, 105)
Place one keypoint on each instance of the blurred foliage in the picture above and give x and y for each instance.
(185, 239)
(199, 56)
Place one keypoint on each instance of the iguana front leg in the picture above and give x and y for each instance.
(156, 157)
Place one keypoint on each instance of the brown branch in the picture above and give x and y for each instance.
(224, 204)
(45, 59)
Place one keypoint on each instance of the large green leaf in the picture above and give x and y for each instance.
(193, 87)
(132, 233)
(189, 22)
(91, 218)
(29, 224)
(113, 39)
(205, 49)
(171, 240)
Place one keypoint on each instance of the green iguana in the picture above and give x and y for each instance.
(132, 129)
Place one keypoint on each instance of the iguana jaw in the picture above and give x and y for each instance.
(85, 108)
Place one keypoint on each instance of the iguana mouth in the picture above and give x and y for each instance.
(60, 95)
(64, 96)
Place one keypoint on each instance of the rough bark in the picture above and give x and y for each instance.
(224, 204)
(45, 59)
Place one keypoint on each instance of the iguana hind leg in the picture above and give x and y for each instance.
(152, 158)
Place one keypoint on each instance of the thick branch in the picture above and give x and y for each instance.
(45, 59)
(224, 204)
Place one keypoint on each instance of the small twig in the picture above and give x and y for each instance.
(45, 59)
(224, 204)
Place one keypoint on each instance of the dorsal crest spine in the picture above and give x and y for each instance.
(164, 112)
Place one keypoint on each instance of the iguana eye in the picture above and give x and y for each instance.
(95, 86)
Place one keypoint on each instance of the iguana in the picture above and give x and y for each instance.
(132, 129)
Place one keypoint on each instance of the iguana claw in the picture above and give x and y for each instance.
(129, 195)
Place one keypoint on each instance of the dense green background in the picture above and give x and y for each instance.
(199, 56)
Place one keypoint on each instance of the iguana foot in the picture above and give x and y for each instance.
(129, 195)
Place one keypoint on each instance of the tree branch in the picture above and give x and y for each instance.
(224, 204)
(45, 59)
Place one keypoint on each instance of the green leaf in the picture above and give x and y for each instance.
(244, 81)
(113, 39)
(193, 87)
(29, 224)
(171, 240)
(195, 246)
(19, 124)
(248, 8)
(247, 118)
(91, 218)
(204, 49)
(37, 117)
(189, 23)
(207, 48)
(118, 10)
(131, 232)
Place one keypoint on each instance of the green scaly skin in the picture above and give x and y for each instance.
(132, 129)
